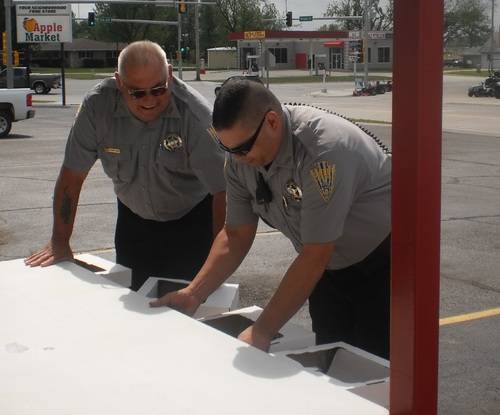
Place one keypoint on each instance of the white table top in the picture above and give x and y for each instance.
(71, 343)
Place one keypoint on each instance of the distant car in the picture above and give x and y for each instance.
(40, 83)
(15, 105)
(250, 77)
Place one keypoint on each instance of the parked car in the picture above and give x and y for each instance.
(372, 88)
(40, 83)
(15, 105)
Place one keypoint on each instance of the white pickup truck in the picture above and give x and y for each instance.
(15, 105)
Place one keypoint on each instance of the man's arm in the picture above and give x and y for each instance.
(218, 211)
(66, 195)
(228, 251)
(296, 286)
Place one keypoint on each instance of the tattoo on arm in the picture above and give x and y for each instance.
(65, 209)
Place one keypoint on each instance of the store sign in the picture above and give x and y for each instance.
(47, 23)
(255, 35)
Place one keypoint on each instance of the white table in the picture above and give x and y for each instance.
(73, 343)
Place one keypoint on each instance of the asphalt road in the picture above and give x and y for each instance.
(470, 281)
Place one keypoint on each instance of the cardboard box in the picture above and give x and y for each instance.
(100, 266)
(225, 298)
(291, 336)
(342, 364)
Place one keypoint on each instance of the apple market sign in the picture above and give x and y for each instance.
(47, 23)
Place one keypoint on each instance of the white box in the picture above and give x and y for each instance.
(74, 345)
(114, 272)
(291, 336)
(342, 364)
(376, 392)
(225, 298)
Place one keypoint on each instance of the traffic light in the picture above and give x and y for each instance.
(185, 52)
(4, 48)
(16, 58)
(289, 19)
(182, 7)
(91, 19)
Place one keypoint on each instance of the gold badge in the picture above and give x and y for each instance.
(172, 142)
(293, 191)
(324, 174)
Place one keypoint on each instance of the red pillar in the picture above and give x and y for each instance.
(416, 204)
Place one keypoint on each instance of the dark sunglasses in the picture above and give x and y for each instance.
(141, 93)
(247, 145)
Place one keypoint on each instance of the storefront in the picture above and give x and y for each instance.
(306, 49)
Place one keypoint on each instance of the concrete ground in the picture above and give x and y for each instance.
(469, 378)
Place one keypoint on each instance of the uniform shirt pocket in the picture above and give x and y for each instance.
(171, 160)
(117, 163)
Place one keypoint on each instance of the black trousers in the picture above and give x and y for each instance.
(353, 304)
(171, 249)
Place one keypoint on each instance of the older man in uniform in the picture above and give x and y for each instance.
(325, 184)
(151, 132)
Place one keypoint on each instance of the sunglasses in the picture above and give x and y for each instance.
(157, 91)
(244, 148)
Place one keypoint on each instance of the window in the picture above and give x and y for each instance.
(280, 54)
(384, 55)
(111, 54)
(369, 55)
(85, 54)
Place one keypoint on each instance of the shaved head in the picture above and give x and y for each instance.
(141, 53)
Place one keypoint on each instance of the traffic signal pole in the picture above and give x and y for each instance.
(366, 28)
(8, 35)
(179, 41)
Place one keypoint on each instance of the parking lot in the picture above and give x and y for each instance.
(470, 261)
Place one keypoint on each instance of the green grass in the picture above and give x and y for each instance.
(367, 121)
(467, 72)
(316, 79)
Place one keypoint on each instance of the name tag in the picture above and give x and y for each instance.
(111, 150)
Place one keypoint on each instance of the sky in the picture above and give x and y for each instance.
(297, 7)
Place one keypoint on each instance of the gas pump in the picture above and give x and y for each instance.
(252, 65)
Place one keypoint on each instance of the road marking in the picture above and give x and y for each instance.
(470, 316)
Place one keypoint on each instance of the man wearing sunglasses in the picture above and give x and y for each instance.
(325, 184)
(151, 133)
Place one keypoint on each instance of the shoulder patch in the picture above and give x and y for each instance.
(323, 173)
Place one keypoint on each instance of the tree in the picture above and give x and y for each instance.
(466, 23)
(381, 17)
(217, 22)
(242, 15)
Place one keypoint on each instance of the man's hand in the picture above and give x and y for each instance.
(49, 255)
(182, 300)
(257, 338)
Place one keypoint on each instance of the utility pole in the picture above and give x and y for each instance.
(492, 42)
(179, 42)
(366, 27)
(197, 38)
(8, 34)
